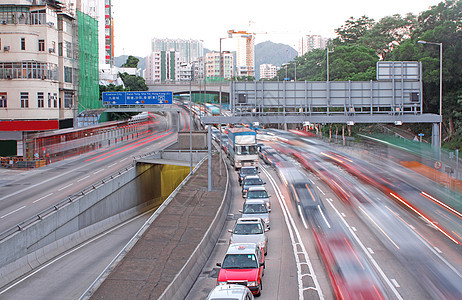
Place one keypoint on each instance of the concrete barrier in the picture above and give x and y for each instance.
(79, 219)
(184, 280)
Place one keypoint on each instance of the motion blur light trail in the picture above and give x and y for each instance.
(130, 146)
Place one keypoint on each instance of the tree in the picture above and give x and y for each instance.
(353, 30)
(132, 62)
(388, 33)
(133, 83)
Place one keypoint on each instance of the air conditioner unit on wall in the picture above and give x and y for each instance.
(51, 50)
(6, 48)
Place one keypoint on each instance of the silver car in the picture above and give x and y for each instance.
(230, 291)
(249, 181)
(250, 230)
(256, 208)
(258, 192)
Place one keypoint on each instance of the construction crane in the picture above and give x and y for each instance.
(249, 48)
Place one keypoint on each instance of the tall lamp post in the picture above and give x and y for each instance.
(441, 85)
(327, 79)
(221, 76)
(295, 74)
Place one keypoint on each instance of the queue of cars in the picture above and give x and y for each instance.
(244, 261)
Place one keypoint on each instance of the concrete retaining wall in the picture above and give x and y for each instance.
(79, 220)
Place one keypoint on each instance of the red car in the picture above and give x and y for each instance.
(243, 264)
(350, 273)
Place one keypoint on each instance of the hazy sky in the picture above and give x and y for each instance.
(137, 22)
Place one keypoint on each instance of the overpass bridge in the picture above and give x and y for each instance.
(183, 87)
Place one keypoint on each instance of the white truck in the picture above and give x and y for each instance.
(242, 147)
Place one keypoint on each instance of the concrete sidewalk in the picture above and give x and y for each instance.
(164, 248)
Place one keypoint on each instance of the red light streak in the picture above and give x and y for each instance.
(425, 218)
(134, 143)
(455, 212)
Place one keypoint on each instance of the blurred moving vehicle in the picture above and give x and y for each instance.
(243, 264)
(258, 192)
(256, 208)
(244, 171)
(349, 271)
(230, 292)
(250, 230)
(250, 181)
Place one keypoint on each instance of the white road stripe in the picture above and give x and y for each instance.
(395, 283)
(16, 210)
(98, 171)
(43, 197)
(83, 178)
(321, 191)
(65, 187)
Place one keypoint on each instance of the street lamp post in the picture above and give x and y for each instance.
(441, 85)
(295, 63)
(221, 76)
(327, 79)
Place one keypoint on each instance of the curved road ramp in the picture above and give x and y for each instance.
(165, 257)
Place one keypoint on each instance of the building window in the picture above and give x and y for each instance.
(49, 100)
(23, 43)
(41, 45)
(55, 100)
(68, 99)
(68, 74)
(69, 49)
(24, 99)
(60, 49)
(3, 103)
(40, 100)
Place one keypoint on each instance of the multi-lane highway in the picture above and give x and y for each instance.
(386, 242)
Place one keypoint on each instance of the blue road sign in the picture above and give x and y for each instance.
(137, 98)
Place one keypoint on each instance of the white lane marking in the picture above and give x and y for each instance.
(354, 228)
(321, 191)
(101, 170)
(343, 215)
(65, 187)
(370, 250)
(83, 178)
(124, 159)
(43, 197)
(110, 166)
(75, 249)
(291, 227)
(371, 259)
(437, 250)
(395, 283)
(16, 210)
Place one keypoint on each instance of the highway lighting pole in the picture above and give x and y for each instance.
(190, 130)
(295, 63)
(327, 79)
(441, 84)
(221, 75)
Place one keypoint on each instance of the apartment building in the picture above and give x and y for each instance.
(268, 71)
(212, 65)
(48, 66)
(245, 60)
(309, 42)
(188, 50)
(162, 66)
